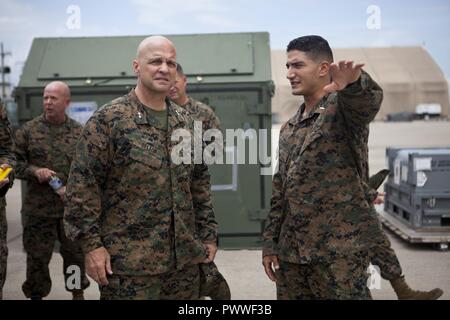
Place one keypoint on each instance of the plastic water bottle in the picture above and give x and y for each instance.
(55, 183)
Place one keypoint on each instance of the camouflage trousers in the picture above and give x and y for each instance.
(3, 245)
(181, 284)
(344, 278)
(383, 256)
(39, 236)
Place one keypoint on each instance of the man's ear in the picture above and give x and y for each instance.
(136, 67)
(324, 68)
(68, 100)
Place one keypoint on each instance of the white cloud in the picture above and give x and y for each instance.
(174, 14)
(22, 20)
(393, 37)
(11, 24)
(216, 21)
(15, 16)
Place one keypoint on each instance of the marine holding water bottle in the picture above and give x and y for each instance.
(44, 150)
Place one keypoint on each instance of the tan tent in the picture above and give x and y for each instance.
(408, 75)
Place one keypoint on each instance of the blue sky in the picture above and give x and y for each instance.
(343, 23)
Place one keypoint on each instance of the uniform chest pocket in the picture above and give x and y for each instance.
(146, 155)
(311, 141)
(37, 152)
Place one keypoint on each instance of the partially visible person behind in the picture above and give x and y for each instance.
(384, 257)
(7, 160)
(44, 149)
(198, 110)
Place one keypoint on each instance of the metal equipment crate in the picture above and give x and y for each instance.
(418, 187)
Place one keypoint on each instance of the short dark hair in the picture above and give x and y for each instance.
(180, 69)
(315, 47)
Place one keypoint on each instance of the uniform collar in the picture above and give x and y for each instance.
(189, 103)
(318, 109)
(47, 123)
(141, 115)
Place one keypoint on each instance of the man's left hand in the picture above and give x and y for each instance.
(342, 74)
(211, 249)
(380, 198)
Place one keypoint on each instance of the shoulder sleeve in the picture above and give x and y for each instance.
(361, 100)
(24, 170)
(277, 205)
(87, 176)
(6, 141)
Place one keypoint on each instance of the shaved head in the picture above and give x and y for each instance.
(155, 67)
(56, 101)
(59, 86)
(151, 43)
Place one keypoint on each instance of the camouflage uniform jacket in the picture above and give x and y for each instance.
(200, 111)
(6, 148)
(40, 144)
(126, 195)
(321, 204)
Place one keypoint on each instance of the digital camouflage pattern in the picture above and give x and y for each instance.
(180, 284)
(41, 234)
(322, 196)
(6, 156)
(321, 211)
(382, 255)
(212, 282)
(190, 283)
(204, 113)
(377, 179)
(6, 142)
(321, 203)
(3, 244)
(342, 278)
(40, 144)
(125, 194)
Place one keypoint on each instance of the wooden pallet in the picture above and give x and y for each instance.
(423, 235)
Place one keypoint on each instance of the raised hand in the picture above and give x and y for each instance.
(342, 74)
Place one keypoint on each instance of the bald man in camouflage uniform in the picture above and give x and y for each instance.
(145, 222)
(6, 160)
(45, 147)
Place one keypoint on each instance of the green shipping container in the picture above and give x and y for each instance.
(230, 72)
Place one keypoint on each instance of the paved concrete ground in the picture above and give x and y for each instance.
(424, 266)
